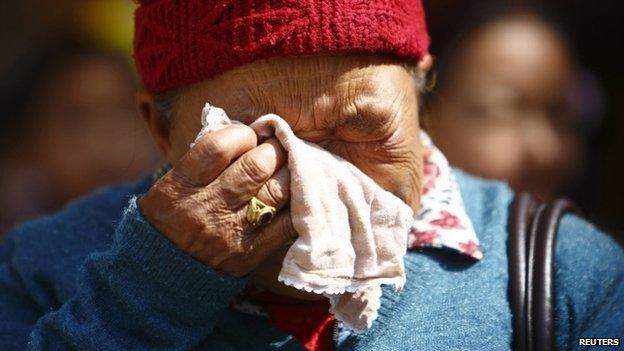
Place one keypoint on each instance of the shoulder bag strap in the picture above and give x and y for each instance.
(532, 239)
(520, 218)
(540, 288)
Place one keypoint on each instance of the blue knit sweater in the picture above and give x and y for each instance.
(97, 276)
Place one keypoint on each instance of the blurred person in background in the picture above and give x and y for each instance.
(68, 126)
(502, 108)
(157, 264)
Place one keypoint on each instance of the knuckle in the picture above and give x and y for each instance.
(217, 151)
(275, 193)
(255, 168)
(181, 180)
(220, 158)
(211, 199)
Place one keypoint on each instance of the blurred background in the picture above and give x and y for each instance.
(530, 92)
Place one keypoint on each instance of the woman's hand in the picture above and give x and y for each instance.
(201, 204)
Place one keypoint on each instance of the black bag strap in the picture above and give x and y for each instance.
(532, 239)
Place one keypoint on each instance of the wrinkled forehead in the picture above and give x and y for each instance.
(306, 87)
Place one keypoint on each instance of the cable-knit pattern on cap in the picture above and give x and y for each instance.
(182, 42)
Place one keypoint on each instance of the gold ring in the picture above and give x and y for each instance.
(259, 213)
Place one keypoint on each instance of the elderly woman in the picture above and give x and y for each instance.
(174, 262)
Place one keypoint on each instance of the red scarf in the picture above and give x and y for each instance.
(308, 321)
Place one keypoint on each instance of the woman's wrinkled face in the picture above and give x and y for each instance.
(362, 108)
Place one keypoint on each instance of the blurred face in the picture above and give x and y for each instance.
(88, 133)
(504, 113)
(363, 109)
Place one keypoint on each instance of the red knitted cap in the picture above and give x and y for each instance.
(182, 42)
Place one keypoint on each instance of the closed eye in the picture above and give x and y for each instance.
(367, 122)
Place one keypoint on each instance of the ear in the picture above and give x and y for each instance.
(157, 124)
(425, 64)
